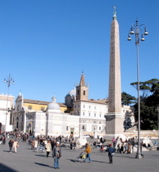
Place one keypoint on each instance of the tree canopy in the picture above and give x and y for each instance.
(127, 99)
(149, 100)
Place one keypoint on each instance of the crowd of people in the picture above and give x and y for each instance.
(52, 145)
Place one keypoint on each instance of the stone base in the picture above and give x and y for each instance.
(114, 124)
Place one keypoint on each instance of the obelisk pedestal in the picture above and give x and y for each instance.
(114, 125)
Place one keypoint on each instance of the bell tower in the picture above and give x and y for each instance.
(82, 89)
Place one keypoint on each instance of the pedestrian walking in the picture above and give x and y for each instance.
(129, 148)
(125, 148)
(48, 148)
(122, 148)
(53, 142)
(111, 151)
(114, 142)
(35, 144)
(56, 154)
(10, 143)
(4, 139)
(71, 144)
(88, 153)
(15, 145)
(32, 144)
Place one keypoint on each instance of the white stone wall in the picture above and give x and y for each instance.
(62, 124)
(90, 110)
(72, 123)
(53, 124)
(92, 117)
(6, 102)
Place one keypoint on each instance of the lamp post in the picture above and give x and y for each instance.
(139, 35)
(158, 120)
(8, 81)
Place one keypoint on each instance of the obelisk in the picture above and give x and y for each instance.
(114, 121)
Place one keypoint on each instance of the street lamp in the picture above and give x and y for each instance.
(8, 81)
(139, 33)
(158, 120)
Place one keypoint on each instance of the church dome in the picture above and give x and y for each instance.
(72, 93)
(53, 105)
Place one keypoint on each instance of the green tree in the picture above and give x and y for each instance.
(127, 99)
(148, 103)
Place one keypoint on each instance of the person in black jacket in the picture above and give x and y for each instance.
(111, 151)
(53, 142)
(10, 143)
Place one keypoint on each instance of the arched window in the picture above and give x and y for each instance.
(10, 119)
(17, 125)
(84, 92)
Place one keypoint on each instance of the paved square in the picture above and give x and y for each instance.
(25, 160)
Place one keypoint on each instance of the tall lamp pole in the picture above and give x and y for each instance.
(8, 81)
(158, 120)
(139, 35)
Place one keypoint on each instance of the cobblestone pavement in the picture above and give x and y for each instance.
(25, 160)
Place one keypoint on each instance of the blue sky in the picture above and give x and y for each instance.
(46, 44)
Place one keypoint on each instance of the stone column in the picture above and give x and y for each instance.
(114, 121)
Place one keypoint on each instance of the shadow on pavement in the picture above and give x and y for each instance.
(6, 151)
(78, 161)
(4, 168)
(40, 155)
(74, 160)
(100, 161)
(44, 165)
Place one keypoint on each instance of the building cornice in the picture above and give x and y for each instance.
(41, 102)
